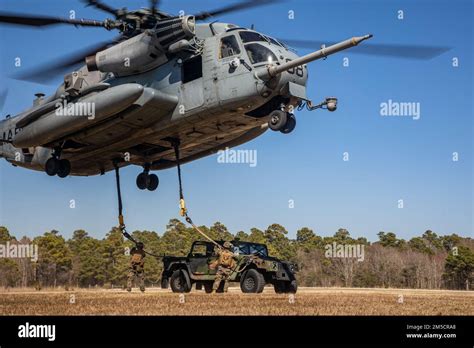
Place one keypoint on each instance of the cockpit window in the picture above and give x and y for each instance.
(229, 47)
(273, 41)
(251, 36)
(260, 54)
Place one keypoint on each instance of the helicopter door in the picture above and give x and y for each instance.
(191, 89)
(230, 73)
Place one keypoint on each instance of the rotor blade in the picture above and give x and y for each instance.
(232, 8)
(389, 50)
(40, 21)
(51, 70)
(3, 98)
(101, 6)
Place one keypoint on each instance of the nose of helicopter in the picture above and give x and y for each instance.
(297, 76)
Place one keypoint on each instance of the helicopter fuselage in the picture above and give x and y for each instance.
(209, 101)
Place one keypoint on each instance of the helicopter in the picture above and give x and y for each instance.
(167, 82)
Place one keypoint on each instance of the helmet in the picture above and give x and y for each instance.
(227, 245)
(140, 245)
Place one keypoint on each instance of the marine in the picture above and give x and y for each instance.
(225, 266)
(137, 265)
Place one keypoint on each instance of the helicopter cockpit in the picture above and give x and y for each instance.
(256, 46)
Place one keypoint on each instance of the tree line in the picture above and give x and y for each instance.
(428, 261)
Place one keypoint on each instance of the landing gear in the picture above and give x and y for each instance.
(153, 182)
(277, 120)
(282, 121)
(64, 168)
(145, 180)
(142, 181)
(55, 166)
(290, 124)
(52, 166)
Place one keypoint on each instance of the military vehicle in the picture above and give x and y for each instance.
(254, 269)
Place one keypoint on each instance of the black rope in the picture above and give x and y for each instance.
(176, 153)
(184, 212)
(119, 194)
(120, 207)
(120, 217)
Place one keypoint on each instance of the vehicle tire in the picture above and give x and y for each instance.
(277, 120)
(64, 168)
(252, 282)
(165, 282)
(208, 287)
(142, 181)
(279, 287)
(290, 124)
(153, 182)
(285, 287)
(52, 166)
(180, 281)
(292, 287)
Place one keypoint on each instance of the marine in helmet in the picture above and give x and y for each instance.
(225, 265)
(137, 263)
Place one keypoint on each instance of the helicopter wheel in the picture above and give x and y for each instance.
(290, 124)
(52, 166)
(277, 120)
(64, 168)
(153, 182)
(143, 180)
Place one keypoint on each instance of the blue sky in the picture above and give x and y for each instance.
(390, 158)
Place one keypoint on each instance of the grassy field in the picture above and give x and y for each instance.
(308, 301)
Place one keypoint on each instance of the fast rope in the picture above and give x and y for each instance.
(182, 205)
(184, 212)
(122, 227)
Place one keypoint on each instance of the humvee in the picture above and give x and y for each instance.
(254, 269)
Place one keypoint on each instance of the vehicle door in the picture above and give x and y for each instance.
(198, 258)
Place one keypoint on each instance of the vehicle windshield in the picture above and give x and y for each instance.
(260, 54)
(250, 248)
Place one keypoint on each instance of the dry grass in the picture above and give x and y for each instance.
(308, 301)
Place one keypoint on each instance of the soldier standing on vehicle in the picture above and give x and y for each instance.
(137, 263)
(225, 266)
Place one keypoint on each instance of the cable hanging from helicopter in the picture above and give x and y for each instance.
(183, 210)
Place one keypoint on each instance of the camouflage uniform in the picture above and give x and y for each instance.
(225, 266)
(137, 264)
